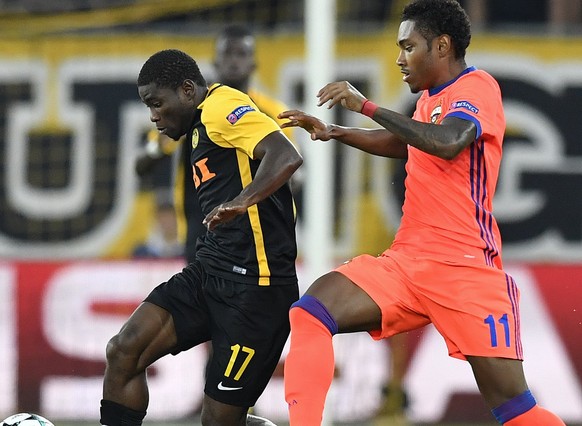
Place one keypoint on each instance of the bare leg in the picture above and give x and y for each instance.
(334, 290)
(502, 383)
(498, 379)
(216, 413)
(147, 335)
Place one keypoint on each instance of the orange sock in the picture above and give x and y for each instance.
(537, 416)
(309, 368)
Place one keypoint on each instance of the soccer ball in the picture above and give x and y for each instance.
(25, 419)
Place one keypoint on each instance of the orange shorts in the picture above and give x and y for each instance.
(474, 307)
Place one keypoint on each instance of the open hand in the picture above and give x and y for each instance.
(313, 125)
(341, 92)
(223, 213)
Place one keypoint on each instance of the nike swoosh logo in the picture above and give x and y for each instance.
(226, 388)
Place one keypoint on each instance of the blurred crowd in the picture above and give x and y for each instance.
(58, 6)
(265, 15)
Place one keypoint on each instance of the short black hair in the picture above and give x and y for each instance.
(235, 31)
(169, 68)
(437, 17)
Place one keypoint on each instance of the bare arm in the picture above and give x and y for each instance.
(379, 142)
(445, 140)
(279, 160)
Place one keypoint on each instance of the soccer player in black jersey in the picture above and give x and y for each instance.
(234, 65)
(237, 292)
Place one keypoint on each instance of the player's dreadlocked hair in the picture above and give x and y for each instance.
(436, 17)
(169, 68)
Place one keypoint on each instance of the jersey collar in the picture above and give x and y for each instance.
(438, 89)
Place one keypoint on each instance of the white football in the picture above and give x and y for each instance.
(25, 419)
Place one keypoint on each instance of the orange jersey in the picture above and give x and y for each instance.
(447, 212)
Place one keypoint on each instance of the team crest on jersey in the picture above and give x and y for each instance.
(236, 115)
(435, 114)
(195, 138)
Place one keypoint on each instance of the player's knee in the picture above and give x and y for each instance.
(113, 349)
(315, 308)
(121, 348)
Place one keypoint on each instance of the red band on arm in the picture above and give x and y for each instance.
(369, 108)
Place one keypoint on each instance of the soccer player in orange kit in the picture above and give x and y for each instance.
(444, 266)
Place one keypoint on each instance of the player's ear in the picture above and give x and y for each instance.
(189, 90)
(444, 45)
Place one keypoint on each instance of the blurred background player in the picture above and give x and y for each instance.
(392, 411)
(163, 240)
(234, 65)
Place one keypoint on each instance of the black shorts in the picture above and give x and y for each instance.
(247, 324)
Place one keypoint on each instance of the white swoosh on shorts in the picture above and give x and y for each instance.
(226, 388)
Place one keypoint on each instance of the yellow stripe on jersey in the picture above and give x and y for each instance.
(179, 189)
(272, 107)
(253, 211)
(245, 133)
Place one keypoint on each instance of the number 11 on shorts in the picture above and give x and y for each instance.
(504, 321)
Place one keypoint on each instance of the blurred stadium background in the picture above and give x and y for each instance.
(73, 210)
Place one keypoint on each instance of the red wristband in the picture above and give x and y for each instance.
(369, 108)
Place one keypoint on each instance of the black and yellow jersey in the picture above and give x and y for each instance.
(186, 203)
(258, 247)
(188, 212)
(272, 107)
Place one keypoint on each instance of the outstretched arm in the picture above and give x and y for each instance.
(279, 160)
(374, 141)
(445, 140)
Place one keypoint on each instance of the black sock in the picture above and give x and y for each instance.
(114, 414)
